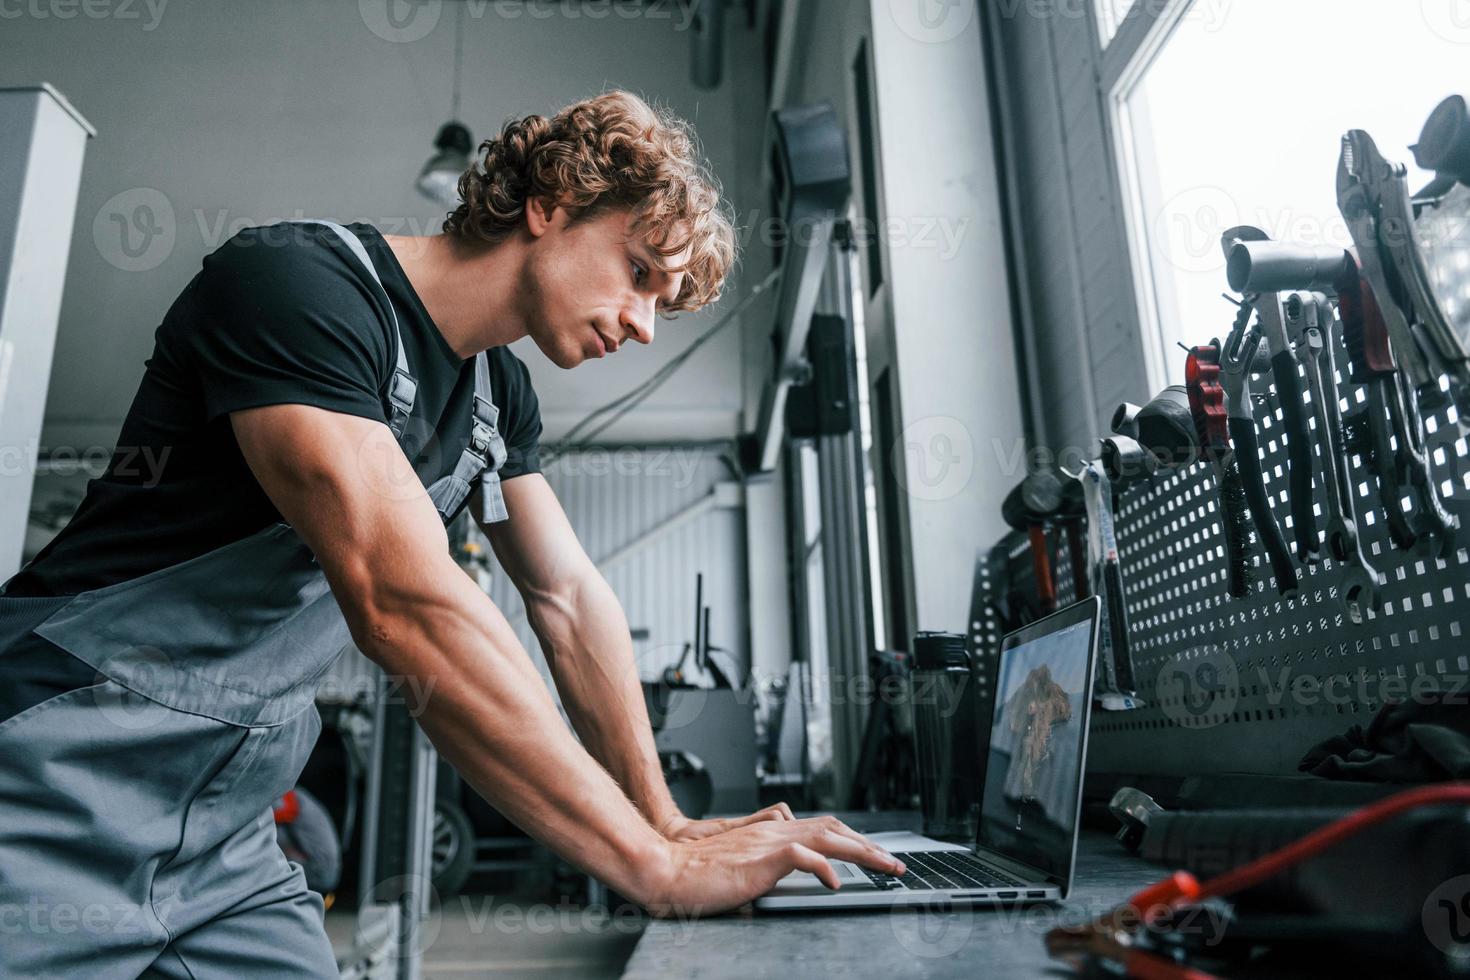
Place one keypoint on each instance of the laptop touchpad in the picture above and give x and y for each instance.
(800, 882)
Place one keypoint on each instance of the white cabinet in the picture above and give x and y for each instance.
(42, 139)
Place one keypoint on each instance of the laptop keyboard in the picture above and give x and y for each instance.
(942, 870)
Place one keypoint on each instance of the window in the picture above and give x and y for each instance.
(1237, 120)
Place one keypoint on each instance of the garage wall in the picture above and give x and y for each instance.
(214, 115)
(614, 498)
(1075, 281)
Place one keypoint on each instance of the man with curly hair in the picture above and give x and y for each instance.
(321, 401)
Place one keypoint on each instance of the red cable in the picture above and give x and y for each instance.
(1270, 865)
(1180, 888)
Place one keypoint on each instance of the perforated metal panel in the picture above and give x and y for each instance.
(1249, 685)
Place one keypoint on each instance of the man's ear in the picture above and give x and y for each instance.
(540, 215)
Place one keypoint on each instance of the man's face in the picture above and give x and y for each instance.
(593, 284)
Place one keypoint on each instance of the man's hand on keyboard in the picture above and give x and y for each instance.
(722, 872)
(681, 828)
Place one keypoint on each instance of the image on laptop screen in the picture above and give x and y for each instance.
(1028, 809)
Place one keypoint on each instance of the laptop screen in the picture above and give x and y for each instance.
(1038, 737)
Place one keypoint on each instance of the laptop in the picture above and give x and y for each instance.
(1026, 844)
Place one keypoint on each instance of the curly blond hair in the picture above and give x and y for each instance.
(610, 151)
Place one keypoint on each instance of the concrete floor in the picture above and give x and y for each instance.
(504, 936)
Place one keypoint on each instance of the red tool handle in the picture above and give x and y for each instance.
(1046, 586)
(1363, 330)
(1207, 397)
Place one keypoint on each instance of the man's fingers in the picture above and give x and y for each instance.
(833, 843)
(783, 810)
(878, 858)
(805, 859)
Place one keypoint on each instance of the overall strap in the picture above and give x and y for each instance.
(485, 454)
(403, 389)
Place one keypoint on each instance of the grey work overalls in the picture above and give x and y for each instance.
(135, 828)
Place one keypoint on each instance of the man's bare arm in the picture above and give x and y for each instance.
(347, 489)
(584, 634)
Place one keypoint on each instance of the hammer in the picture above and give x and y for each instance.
(1028, 507)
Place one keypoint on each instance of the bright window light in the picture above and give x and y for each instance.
(1238, 120)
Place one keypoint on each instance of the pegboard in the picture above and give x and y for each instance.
(1249, 685)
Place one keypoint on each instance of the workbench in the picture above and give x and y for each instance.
(962, 943)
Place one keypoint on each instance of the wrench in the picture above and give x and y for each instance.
(1358, 582)
(1435, 525)
(1298, 436)
(1104, 568)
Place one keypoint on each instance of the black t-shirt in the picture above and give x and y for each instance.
(279, 314)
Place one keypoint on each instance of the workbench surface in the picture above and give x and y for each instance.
(962, 943)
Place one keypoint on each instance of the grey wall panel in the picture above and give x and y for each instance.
(612, 498)
(1078, 284)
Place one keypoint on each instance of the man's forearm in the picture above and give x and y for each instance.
(585, 637)
(492, 718)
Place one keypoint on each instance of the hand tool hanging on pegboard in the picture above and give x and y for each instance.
(1072, 518)
(1370, 430)
(1237, 359)
(1373, 196)
(1029, 508)
(1261, 270)
(1118, 686)
(1309, 317)
(1166, 429)
(1207, 408)
(1442, 212)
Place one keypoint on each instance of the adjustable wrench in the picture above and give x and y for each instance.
(1237, 357)
(1358, 582)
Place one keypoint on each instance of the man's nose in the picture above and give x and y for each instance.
(637, 321)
